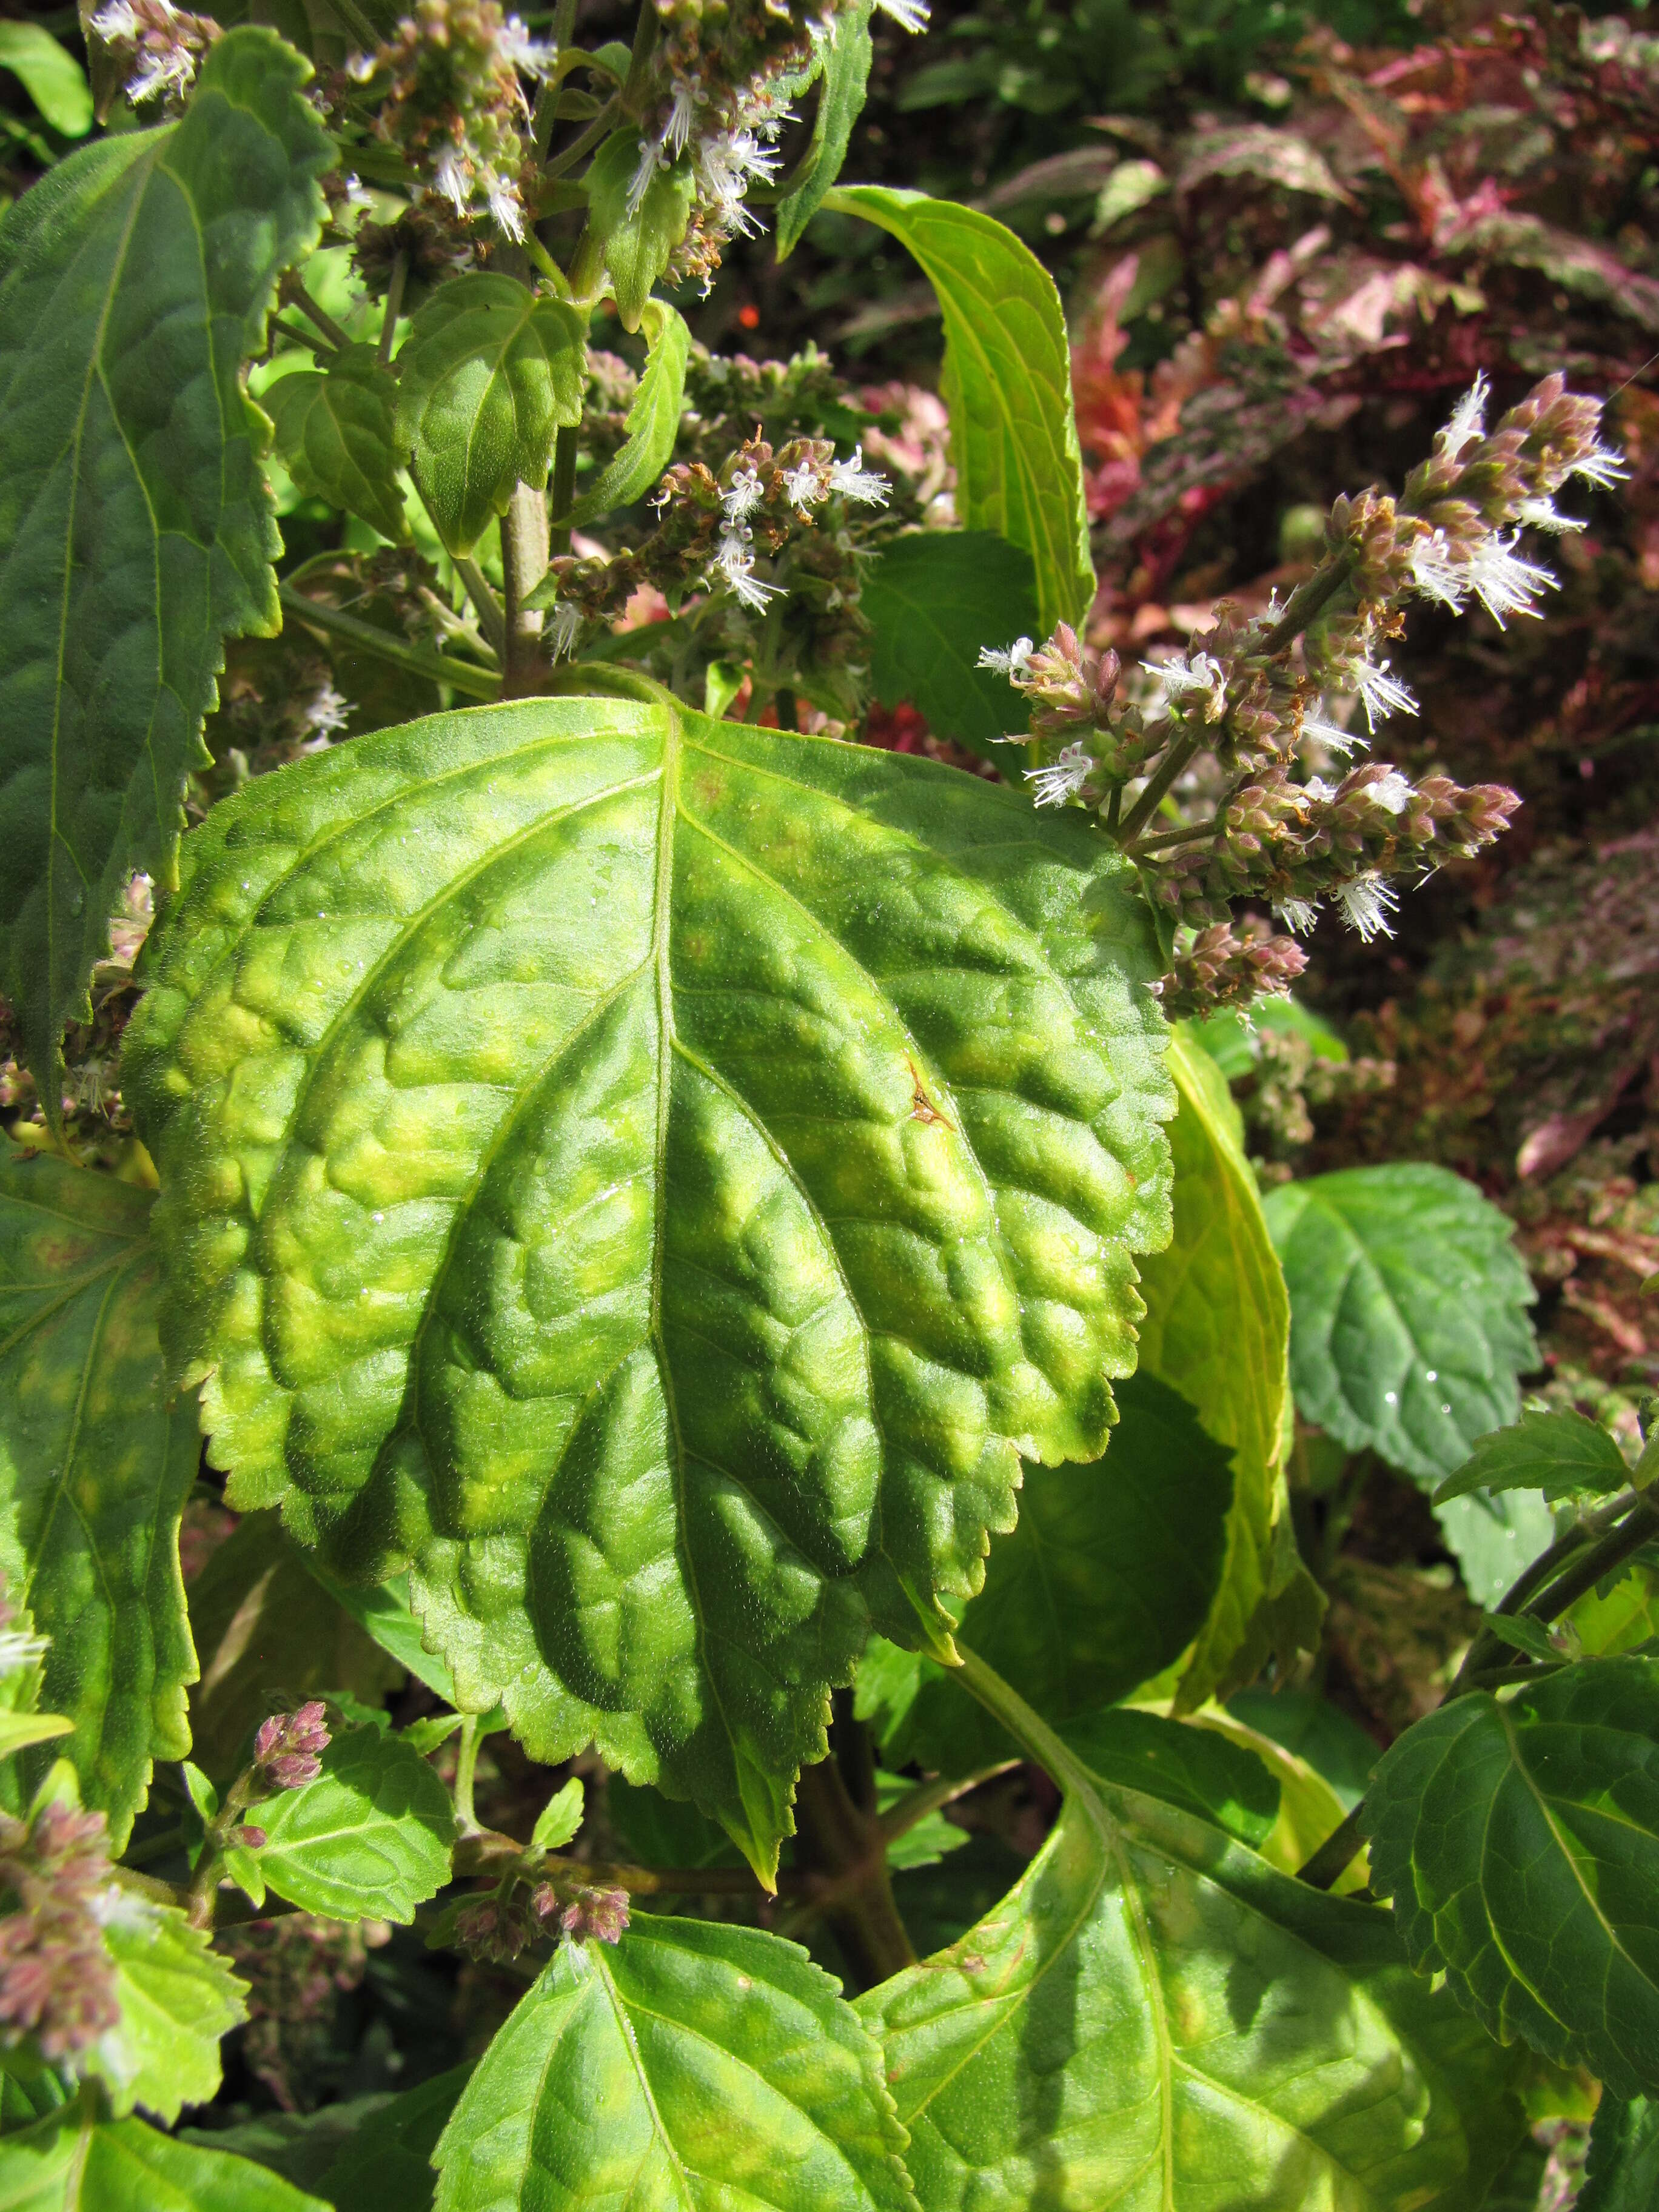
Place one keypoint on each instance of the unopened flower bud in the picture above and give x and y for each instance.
(286, 1748)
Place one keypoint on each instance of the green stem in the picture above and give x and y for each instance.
(394, 300)
(485, 604)
(357, 23)
(840, 1849)
(466, 1765)
(639, 61)
(928, 1797)
(587, 139)
(1337, 1853)
(564, 490)
(1166, 837)
(524, 549)
(295, 335)
(459, 674)
(1179, 756)
(296, 295)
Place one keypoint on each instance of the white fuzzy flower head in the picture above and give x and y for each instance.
(1061, 778)
(1392, 792)
(563, 630)
(1332, 735)
(1437, 572)
(505, 206)
(1468, 419)
(1366, 904)
(451, 178)
(743, 495)
(327, 712)
(1298, 915)
(1202, 677)
(158, 73)
(1603, 464)
(116, 20)
(1380, 694)
(1504, 583)
(866, 487)
(909, 14)
(805, 486)
(1014, 663)
(1544, 514)
(520, 51)
(1319, 791)
(734, 567)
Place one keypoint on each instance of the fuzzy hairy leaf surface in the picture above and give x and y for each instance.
(96, 1466)
(1154, 2021)
(1622, 2172)
(176, 1998)
(653, 419)
(69, 2162)
(490, 373)
(1408, 1322)
(369, 1839)
(848, 53)
(1218, 1329)
(1108, 1573)
(658, 1176)
(1007, 381)
(336, 435)
(1520, 1844)
(136, 532)
(693, 2064)
(933, 600)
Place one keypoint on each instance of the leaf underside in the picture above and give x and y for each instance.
(658, 1176)
(1520, 1843)
(136, 530)
(95, 1470)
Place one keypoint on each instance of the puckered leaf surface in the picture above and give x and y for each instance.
(135, 531)
(1408, 1322)
(693, 2064)
(94, 1469)
(1153, 2021)
(1520, 1844)
(659, 1175)
(369, 1839)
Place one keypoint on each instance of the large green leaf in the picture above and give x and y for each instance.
(136, 532)
(653, 420)
(176, 1998)
(70, 2162)
(1408, 1322)
(1216, 1328)
(694, 2064)
(933, 600)
(94, 1469)
(1103, 1582)
(387, 2165)
(1007, 381)
(337, 439)
(369, 1839)
(1622, 2174)
(489, 372)
(1520, 1843)
(1153, 2020)
(1197, 1769)
(846, 53)
(659, 1175)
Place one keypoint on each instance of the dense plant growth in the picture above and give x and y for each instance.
(742, 1462)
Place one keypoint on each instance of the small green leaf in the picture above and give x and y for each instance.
(1203, 1772)
(69, 2162)
(1494, 1540)
(369, 1839)
(637, 246)
(135, 281)
(1408, 1323)
(488, 372)
(1561, 1454)
(337, 436)
(387, 2165)
(1622, 2174)
(203, 1797)
(933, 600)
(1520, 1843)
(736, 1146)
(560, 1818)
(1523, 1634)
(847, 55)
(1007, 381)
(19, 1730)
(243, 1869)
(1153, 2017)
(928, 1840)
(94, 1469)
(691, 2048)
(653, 420)
(51, 75)
(176, 1998)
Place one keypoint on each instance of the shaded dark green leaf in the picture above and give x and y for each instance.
(933, 600)
(337, 436)
(1622, 2174)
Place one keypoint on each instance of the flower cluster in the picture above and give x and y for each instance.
(1241, 718)
(287, 1750)
(1230, 964)
(155, 45)
(448, 87)
(57, 1980)
(496, 1928)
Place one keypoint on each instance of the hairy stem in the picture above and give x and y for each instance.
(485, 604)
(524, 548)
(639, 61)
(466, 1768)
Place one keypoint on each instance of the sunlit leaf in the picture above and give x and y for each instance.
(653, 420)
(176, 1998)
(660, 1176)
(337, 437)
(51, 75)
(846, 54)
(136, 532)
(368, 1840)
(638, 241)
(70, 2162)
(1559, 1453)
(94, 1468)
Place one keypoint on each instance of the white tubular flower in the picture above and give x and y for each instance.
(327, 712)
(805, 486)
(116, 20)
(1392, 792)
(357, 194)
(1504, 583)
(1201, 676)
(909, 14)
(1318, 790)
(734, 567)
(1437, 573)
(505, 205)
(1298, 915)
(1603, 464)
(450, 177)
(563, 630)
(1332, 736)
(1366, 904)
(868, 486)
(1468, 419)
(1014, 663)
(743, 495)
(1543, 514)
(1380, 694)
(1062, 778)
(520, 51)
(683, 114)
